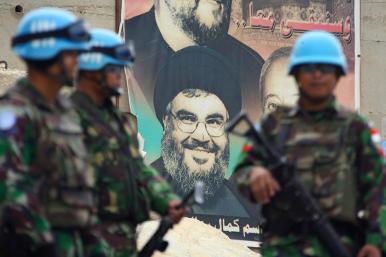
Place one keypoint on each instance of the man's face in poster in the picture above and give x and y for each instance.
(203, 20)
(277, 87)
(280, 88)
(194, 145)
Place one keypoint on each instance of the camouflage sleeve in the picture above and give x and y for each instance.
(21, 208)
(157, 188)
(252, 155)
(371, 184)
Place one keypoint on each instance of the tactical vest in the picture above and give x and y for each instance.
(320, 150)
(135, 195)
(121, 189)
(61, 164)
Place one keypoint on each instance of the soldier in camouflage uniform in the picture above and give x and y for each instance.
(47, 202)
(126, 187)
(334, 154)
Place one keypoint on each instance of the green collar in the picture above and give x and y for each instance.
(331, 108)
(27, 89)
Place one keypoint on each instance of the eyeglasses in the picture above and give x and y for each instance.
(188, 123)
(124, 52)
(77, 32)
(323, 68)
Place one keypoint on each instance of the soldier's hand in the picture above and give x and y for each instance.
(369, 251)
(263, 185)
(175, 212)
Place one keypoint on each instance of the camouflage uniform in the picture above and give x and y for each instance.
(337, 162)
(45, 181)
(126, 187)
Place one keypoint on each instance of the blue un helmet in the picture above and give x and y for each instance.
(45, 32)
(317, 47)
(106, 48)
(107, 52)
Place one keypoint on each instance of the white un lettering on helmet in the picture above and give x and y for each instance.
(92, 57)
(42, 26)
(95, 58)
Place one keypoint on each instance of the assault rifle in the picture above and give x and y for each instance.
(156, 242)
(292, 207)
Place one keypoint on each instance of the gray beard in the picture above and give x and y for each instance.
(183, 179)
(187, 20)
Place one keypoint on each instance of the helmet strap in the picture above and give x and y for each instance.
(63, 77)
(109, 90)
(101, 82)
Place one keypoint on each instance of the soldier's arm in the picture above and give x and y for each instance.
(157, 188)
(251, 156)
(372, 185)
(21, 208)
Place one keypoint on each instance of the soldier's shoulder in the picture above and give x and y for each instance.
(356, 120)
(357, 125)
(280, 113)
(271, 121)
(131, 120)
(130, 124)
(12, 102)
(67, 104)
(14, 113)
(283, 111)
(8, 121)
(360, 120)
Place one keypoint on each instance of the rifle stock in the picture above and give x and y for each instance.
(156, 242)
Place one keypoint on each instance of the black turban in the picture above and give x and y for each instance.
(197, 67)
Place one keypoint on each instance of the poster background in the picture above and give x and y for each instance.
(264, 42)
(263, 39)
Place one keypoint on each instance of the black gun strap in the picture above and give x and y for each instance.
(283, 135)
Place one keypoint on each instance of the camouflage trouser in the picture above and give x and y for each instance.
(289, 247)
(120, 238)
(78, 243)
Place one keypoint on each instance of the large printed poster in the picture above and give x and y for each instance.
(200, 62)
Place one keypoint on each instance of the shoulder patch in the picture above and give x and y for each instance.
(7, 119)
(375, 136)
(376, 139)
(65, 101)
(7, 122)
(346, 112)
(247, 148)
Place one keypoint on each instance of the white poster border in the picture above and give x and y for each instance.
(357, 32)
